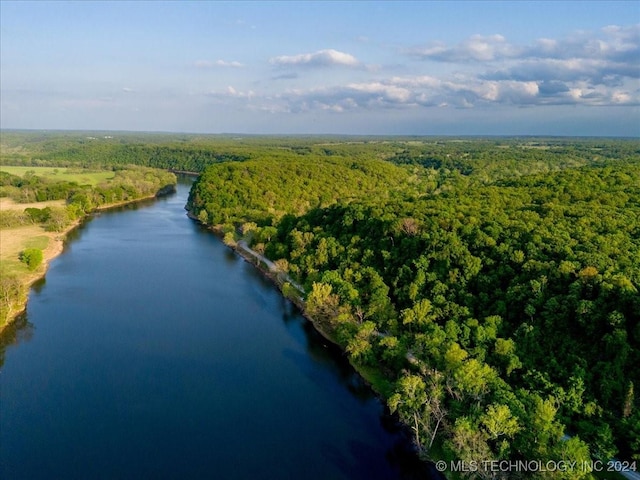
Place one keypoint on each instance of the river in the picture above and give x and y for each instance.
(151, 350)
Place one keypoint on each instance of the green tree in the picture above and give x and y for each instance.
(321, 302)
(12, 294)
(421, 405)
(32, 257)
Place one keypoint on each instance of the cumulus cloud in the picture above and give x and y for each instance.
(596, 72)
(217, 63)
(588, 69)
(321, 58)
(426, 92)
(611, 43)
(594, 68)
(476, 48)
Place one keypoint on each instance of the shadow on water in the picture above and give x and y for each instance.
(17, 332)
(39, 284)
(356, 462)
(169, 407)
(231, 257)
(402, 454)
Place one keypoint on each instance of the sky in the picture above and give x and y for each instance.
(331, 67)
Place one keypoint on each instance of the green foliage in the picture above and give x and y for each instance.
(31, 257)
(477, 278)
(121, 185)
(12, 294)
(493, 281)
(264, 191)
(13, 218)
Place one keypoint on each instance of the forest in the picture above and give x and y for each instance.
(489, 292)
(487, 288)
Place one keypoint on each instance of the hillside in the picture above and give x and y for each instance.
(494, 302)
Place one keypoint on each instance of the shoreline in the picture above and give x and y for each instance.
(56, 245)
(255, 259)
(262, 264)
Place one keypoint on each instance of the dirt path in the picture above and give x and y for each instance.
(270, 265)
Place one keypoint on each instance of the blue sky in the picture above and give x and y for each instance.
(427, 68)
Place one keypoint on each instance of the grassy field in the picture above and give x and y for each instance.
(16, 239)
(7, 203)
(82, 177)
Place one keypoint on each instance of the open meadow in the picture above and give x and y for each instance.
(80, 176)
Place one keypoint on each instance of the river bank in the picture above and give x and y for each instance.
(294, 292)
(372, 377)
(168, 341)
(270, 271)
(14, 240)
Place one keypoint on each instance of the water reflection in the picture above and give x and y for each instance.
(171, 357)
(39, 284)
(352, 463)
(17, 332)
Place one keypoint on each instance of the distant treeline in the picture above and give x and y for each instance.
(195, 152)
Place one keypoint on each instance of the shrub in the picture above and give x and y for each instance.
(32, 257)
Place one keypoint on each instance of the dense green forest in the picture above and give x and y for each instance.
(489, 291)
(487, 287)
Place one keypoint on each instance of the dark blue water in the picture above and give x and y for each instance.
(153, 351)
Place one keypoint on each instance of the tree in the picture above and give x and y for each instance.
(12, 293)
(505, 350)
(321, 302)
(498, 421)
(419, 314)
(420, 404)
(32, 257)
(229, 239)
(469, 445)
(58, 219)
(359, 347)
(409, 401)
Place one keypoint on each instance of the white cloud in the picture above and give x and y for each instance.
(385, 92)
(217, 63)
(476, 48)
(231, 92)
(612, 43)
(320, 58)
(591, 68)
(423, 92)
(587, 69)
